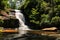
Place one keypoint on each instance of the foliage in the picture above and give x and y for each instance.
(42, 12)
(4, 4)
(44, 19)
(1, 22)
(39, 12)
(55, 20)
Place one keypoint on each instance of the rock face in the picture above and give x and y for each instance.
(10, 23)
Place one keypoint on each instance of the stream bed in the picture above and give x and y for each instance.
(32, 35)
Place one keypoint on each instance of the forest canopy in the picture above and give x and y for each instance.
(4, 4)
(42, 13)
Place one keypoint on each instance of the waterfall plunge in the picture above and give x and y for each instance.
(21, 19)
(23, 28)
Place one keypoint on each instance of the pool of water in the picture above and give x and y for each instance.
(28, 36)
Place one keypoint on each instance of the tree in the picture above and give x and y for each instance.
(42, 12)
(4, 4)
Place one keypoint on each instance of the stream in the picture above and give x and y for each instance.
(28, 34)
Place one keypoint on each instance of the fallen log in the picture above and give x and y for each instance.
(8, 31)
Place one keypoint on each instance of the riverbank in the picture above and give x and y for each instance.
(34, 35)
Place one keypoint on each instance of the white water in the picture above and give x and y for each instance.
(21, 19)
(22, 27)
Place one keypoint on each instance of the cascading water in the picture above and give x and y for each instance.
(22, 27)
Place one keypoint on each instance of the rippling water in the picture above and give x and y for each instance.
(27, 36)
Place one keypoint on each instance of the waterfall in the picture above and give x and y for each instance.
(22, 27)
(21, 19)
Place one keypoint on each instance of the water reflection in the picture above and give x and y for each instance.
(28, 36)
